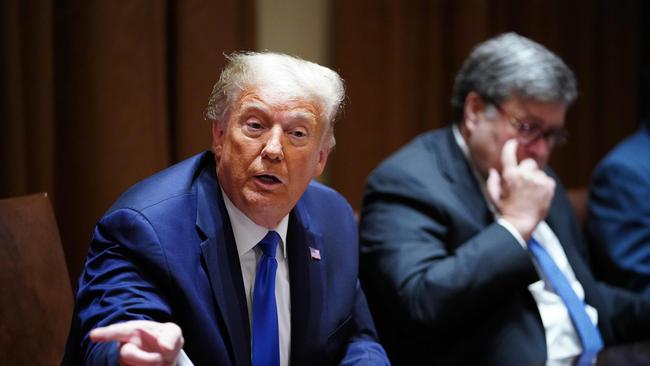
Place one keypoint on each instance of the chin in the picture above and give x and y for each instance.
(262, 202)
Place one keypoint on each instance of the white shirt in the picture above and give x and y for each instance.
(247, 235)
(561, 337)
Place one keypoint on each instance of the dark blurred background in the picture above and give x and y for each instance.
(96, 95)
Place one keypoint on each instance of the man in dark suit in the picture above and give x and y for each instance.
(618, 214)
(234, 257)
(470, 251)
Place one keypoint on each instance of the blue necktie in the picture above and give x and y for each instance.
(266, 350)
(588, 333)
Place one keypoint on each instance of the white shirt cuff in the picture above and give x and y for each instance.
(183, 360)
(503, 222)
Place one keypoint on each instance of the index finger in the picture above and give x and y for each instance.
(509, 154)
(122, 332)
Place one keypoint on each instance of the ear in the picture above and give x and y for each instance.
(322, 159)
(474, 105)
(218, 134)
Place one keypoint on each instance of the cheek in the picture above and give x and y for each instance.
(493, 144)
(302, 168)
(230, 157)
(238, 147)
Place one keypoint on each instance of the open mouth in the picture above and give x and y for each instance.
(268, 179)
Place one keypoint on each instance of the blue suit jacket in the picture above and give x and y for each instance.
(618, 219)
(165, 251)
(448, 284)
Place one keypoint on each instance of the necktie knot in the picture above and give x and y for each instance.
(269, 243)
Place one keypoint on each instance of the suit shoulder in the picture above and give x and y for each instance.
(320, 194)
(176, 180)
(411, 157)
(625, 156)
(413, 165)
(324, 204)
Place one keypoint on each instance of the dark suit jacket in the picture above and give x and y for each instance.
(165, 251)
(447, 284)
(618, 219)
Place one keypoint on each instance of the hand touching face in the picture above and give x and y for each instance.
(522, 192)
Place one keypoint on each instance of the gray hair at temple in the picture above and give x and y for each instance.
(510, 65)
(281, 77)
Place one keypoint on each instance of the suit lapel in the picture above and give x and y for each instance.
(556, 223)
(456, 169)
(221, 261)
(307, 280)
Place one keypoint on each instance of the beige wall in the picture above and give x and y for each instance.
(295, 27)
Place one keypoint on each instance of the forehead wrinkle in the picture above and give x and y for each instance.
(301, 114)
(298, 110)
(254, 105)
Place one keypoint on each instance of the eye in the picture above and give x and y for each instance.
(298, 133)
(253, 126)
(527, 128)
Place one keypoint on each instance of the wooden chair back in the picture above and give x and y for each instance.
(36, 299)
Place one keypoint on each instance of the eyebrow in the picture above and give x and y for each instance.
(294, 114)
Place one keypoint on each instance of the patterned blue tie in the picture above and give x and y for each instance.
(588, 333)
(266, 350)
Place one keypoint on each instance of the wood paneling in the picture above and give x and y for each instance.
(98, 95)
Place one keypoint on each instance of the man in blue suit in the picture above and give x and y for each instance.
(470, 251)
(618, 215)
(235, 256)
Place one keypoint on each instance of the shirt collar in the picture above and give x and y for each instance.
(247, 233)
(460, 141)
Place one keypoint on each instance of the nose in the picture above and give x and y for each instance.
(540, 150)
(273, 147)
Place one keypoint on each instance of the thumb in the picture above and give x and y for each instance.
(493, 186)
(170, 341)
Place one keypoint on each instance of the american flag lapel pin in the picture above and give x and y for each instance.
(314, 253)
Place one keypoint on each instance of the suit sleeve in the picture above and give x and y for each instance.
(618, 225)
(363, 348)
(123, 277)
(627, 312)
(418, 265)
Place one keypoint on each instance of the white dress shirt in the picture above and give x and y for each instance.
(561, 337)
(247, 235)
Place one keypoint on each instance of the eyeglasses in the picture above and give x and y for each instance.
(528, 133)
